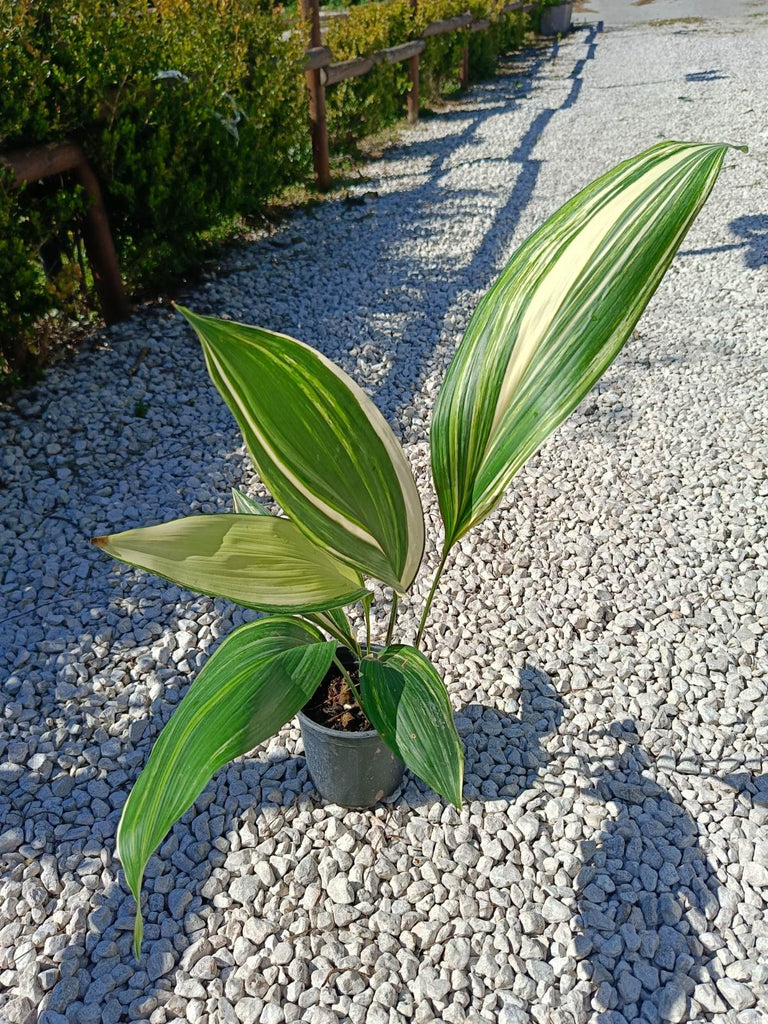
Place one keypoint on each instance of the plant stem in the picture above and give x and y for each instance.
(392, 619)
(350, 683)
(367, 611)
(430, 597)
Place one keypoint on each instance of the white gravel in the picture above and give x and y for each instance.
(602, 635)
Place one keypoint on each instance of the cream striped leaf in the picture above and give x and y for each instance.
(556, 318)
(259, 561)
(244, 504)
(332, 620)
(406, 701)
(321, 446)
(261, 675)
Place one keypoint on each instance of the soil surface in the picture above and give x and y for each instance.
(333, 705)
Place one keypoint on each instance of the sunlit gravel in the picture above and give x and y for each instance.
(602, 635)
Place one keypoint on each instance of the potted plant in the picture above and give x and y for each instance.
(537, 342)
(556, 18)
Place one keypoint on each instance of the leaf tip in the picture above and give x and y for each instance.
(100, 542)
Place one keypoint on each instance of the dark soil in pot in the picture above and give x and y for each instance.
(334, 706)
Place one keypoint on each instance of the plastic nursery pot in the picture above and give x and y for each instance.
(556, 21)
(353, 769)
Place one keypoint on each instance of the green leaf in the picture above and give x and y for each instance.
(555, 320)
(335, 622)
(261, 675)
(321, 446)
(257, 561)
(406, 701)
(245, 505)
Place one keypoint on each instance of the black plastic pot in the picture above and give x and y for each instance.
(353, 769)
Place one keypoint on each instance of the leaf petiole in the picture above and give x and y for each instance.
(348, 678)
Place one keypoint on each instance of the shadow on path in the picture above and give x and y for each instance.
(504, 753)
(647, 896)
(753, 230)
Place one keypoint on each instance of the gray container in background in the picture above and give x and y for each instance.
(556, 21)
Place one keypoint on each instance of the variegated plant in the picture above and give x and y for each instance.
(545, 332)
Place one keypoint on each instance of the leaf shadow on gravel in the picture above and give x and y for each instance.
(504, 754)
(648, 898)
(753, 230)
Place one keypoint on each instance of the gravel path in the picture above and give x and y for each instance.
(602, 635)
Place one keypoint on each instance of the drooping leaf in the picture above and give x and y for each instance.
(556, 318)
(321, 446)
(257, 561)
(261, 675)
(406, 701)
(245, 505)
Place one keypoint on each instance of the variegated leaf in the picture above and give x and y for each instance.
(321, 446)
(244, 504)
(332, 620)
(261, 675)
(406, 701)
(258, 561)
(556, 318)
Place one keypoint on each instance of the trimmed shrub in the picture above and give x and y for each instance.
(192, 113)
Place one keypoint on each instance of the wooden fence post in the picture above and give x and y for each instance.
(464, 71)
(413, 92)
(316, 89)
(413, 78)
(69, 158)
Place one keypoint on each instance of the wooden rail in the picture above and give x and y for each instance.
(322, 71)
(69, 158)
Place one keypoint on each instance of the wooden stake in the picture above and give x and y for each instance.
(100, 249)
(413, 92)
(316, 89)
(464, 73)
(413, 77)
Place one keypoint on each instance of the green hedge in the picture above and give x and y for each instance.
(192, 112)
(361, 106)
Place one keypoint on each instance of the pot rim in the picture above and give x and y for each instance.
(347, 734)
(323, 729)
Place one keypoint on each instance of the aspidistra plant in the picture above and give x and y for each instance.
(537, 342)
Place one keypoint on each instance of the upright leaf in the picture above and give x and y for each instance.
(257, 561)
(244, 504)
(321, 446)
(257, 680)
(556, 318)
(406, 701)
(335, 622)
